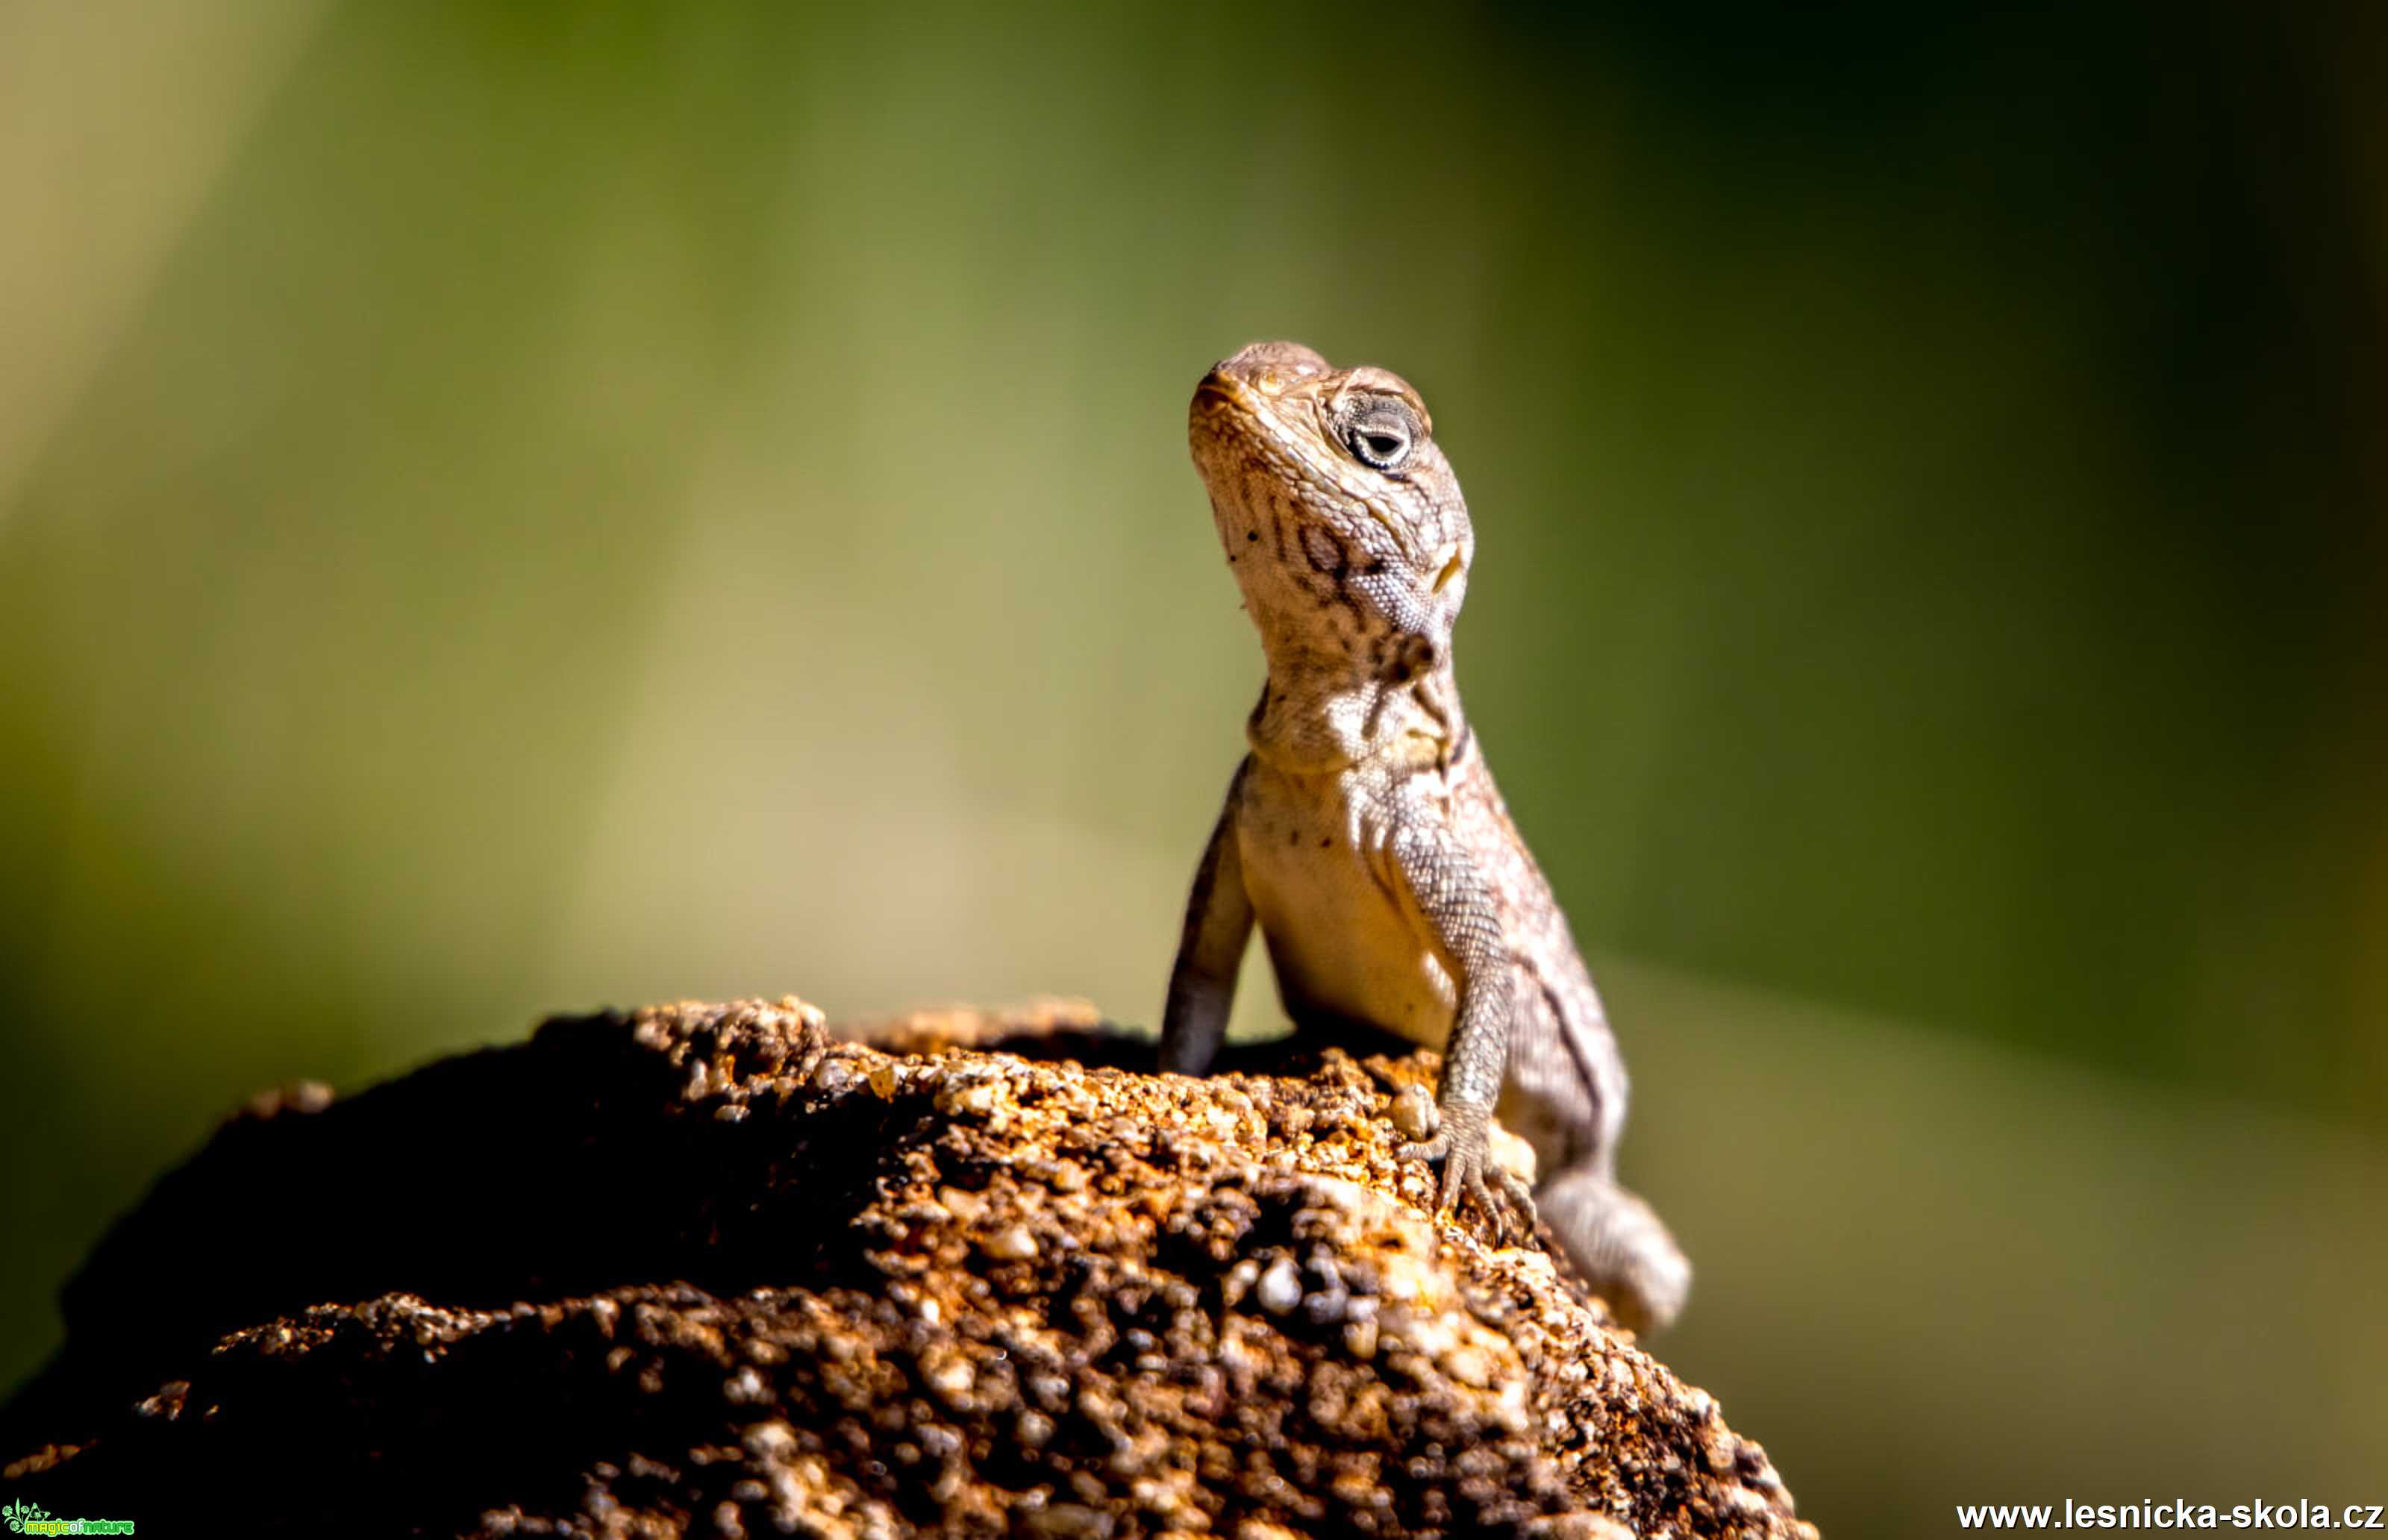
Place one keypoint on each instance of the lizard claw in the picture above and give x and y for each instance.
(1463, 1150)
(1431, 1152)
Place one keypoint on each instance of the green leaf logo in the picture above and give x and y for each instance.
(17, 1515)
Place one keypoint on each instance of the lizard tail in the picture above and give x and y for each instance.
(1619, 1244)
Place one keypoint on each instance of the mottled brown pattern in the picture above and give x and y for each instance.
(1363, 835)
(708, 1270)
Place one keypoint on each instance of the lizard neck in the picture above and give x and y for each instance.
(1318, 715)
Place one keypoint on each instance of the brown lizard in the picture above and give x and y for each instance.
(1363, 832)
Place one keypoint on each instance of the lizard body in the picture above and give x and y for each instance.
(1363, 834)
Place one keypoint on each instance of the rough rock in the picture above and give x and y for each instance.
(713, 1271)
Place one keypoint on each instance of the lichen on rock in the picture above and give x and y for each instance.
(709, 1270)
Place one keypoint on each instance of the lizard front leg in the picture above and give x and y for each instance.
(1210, 949)
(1461, 919)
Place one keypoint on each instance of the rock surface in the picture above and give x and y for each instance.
(713, 1271)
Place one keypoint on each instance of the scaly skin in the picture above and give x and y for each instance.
(1363, 832)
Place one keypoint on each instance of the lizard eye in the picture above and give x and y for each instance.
(1382, 432)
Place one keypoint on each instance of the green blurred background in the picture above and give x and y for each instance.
(505, 507)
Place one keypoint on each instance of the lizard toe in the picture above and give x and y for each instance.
(1515, 1214)
(1430, 1153)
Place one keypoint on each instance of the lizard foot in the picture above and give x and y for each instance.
(1463, 1150)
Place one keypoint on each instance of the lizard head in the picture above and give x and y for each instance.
(1341, 517)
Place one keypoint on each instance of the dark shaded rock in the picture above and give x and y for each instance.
(709, 1270)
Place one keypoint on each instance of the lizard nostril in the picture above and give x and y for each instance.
(1449, 570)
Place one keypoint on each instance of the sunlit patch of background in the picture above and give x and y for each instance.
(511, 507)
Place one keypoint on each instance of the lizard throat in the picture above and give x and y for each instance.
(1313, 719)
